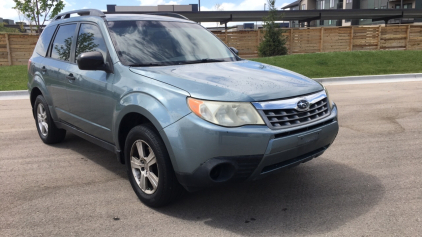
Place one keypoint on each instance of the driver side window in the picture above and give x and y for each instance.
(90, 39)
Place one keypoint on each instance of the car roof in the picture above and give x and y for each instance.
(142, 17)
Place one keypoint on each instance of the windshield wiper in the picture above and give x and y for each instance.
(148, 64)
(205, 60)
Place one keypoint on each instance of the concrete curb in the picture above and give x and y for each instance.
(371, 79)
(14, 95)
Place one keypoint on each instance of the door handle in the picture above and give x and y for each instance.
(70, 77)
(43, 69)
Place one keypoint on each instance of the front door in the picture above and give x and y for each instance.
(90, 93)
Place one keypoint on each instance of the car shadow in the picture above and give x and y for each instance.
(94, 153)
(313, 198)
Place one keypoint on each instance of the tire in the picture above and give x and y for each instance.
(47, 130)
(149, 167)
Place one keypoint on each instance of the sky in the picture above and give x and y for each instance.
(6, 11)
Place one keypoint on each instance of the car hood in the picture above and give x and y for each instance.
(232, 81)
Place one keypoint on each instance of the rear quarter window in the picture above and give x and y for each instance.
(44, 41)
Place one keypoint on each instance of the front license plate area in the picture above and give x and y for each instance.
(310, 137)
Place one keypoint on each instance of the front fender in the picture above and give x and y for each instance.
(151, 108)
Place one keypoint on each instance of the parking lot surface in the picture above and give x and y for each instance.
(368, 183)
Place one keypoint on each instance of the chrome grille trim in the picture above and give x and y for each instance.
(284, 113)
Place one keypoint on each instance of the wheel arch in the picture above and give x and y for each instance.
(139, 108)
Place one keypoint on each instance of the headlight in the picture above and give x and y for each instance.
(328, 97)
(229, 114)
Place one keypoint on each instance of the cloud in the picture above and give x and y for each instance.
(245, 5)
(6, 11)
(159, 2)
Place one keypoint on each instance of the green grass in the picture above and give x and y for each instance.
(314, 65)
(355, 63)
(13, 78)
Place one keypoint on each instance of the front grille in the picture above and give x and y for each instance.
(282, 118)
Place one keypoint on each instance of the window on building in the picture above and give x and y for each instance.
(349, 1)
(322, 4)
(331, 3)
(303, 7)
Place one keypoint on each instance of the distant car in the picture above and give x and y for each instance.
(175, 104)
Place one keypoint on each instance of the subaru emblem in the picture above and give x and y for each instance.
(302, 105)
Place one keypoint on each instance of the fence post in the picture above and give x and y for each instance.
(351, 38)
(258, 39)
(407, 37)
(379, 37)
(321, 42)
(225, 32)
(9, 54)
(291, 41)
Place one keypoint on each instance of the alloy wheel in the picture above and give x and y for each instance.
(144, 166)
(42, 119)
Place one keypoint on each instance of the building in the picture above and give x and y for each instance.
(352, 4)
(158, 8)
(7, 21)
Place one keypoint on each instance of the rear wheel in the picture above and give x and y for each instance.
(149, 168)
(47, 130)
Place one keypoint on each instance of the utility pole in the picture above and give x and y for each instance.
(266, 4)
(199, 3)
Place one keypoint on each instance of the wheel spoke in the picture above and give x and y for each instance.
(153, 179)
(142, 181)
(151, 159)
(140, 149)
(136, 164)
(45, 126)
(40, 118)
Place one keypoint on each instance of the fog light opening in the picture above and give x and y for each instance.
(222, 172)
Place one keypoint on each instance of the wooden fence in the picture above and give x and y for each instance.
(331, 39)
(16, 49)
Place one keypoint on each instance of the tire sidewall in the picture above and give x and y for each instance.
(40, 100)
(147, 135)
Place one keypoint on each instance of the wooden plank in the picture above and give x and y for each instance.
(351, 38)
(321, 39)
(407, 37)
(379, 36)
(9, 55)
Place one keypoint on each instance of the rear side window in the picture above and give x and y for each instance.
(44, 41)
(90, 39)
(63, 42)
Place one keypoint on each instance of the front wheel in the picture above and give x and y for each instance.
(149, 168)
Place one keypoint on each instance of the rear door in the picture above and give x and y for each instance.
(90, 94)
(55, 67)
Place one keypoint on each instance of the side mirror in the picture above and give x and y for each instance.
(234, 50)
(92, 61)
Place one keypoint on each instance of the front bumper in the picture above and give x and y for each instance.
(204, 154)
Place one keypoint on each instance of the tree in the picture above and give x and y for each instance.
(274, 42)
(218, 7)
(39, 11)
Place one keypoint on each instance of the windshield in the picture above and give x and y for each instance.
(155, 43)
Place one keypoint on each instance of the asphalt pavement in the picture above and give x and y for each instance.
(368, 183)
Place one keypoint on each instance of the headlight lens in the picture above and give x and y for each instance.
(229, 114)
(328, 97)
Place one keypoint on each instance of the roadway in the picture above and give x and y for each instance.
(369, 183)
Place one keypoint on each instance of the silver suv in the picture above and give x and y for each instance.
(179, 108)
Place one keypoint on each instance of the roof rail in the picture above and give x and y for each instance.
(169, 14)
(82, 12)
